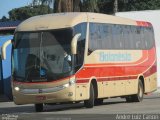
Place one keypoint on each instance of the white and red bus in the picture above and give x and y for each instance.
(72, 57)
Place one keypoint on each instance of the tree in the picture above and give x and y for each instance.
(90, 6)
(67, 6)
(26, 12)
(134, 5)
(63, 6)
(76, 5)
(105, 6)
(40, 7)
(3, 19)
(43, 2)
(112, 6)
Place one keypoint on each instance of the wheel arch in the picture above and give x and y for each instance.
(141, 78)
(93, 80)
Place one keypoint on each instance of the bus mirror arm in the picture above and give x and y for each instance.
(3, 49)
(74, 43)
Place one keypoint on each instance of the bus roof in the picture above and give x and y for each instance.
(64, 20)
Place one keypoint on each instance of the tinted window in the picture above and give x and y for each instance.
(42, 55)
(27, 39)
(149, 38)
(80, 28)
(113, 36)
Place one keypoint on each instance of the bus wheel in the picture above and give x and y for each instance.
(98, 102)
(139, 96)
(90, 102)
(39, 107)
(130, 98)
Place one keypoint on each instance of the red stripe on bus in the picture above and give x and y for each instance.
(151, 71)
(117, 78)
(82, 81)
(124, 73)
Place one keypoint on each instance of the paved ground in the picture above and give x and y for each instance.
(114, 106)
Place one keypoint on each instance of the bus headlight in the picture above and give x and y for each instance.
(66, 85)
(17, 88)
(72, 81)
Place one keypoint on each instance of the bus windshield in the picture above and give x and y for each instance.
(42, 56)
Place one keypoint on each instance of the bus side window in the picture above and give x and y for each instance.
(91, 38)
(133, 41)
(94, 37)
(116, 42)
(80, 28)
(126, 37)
(107, 36)
(142, 40)
(149, 38)
(121, 37)
(119, 42)
(138, 38)
(146, 38)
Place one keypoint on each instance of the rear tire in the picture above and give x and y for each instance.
(38, 107)
(90, 102)
(139, 96)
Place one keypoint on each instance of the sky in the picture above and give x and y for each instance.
(7, 5)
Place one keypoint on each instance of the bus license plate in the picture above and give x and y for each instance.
(39, 98)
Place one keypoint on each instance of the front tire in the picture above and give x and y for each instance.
(90, 102)
(38, 107)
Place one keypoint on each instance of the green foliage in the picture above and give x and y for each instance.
(3, 19)
(134, 5)
(90, 6)
(43, 2)
(105, 6)
(102, 6)
(26, 12)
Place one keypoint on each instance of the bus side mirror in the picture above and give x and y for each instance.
(3, 49)
(74, 43)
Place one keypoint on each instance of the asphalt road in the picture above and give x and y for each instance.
(114, 108)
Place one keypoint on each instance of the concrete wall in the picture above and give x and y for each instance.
(152, 16)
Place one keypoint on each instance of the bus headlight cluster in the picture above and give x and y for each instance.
(71, 82)
(66, 85)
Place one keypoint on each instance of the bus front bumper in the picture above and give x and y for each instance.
(48, 95)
